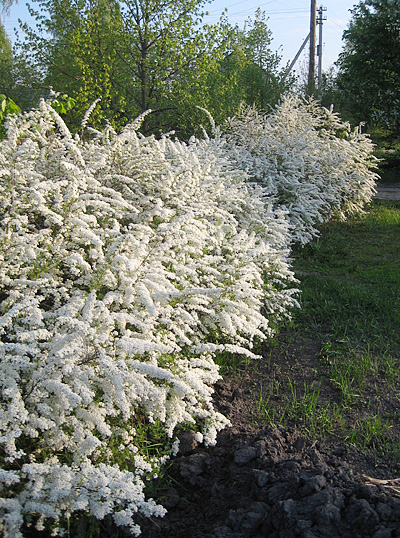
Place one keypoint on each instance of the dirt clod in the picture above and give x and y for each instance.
(276, 484)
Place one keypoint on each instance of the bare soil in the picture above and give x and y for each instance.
(263, 481)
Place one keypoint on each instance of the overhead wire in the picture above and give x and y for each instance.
(237, 3)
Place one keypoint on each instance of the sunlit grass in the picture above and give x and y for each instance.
(350, 305)
(350, 278)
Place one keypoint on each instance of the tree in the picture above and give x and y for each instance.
(169, 52)
(6, 4)
(250, 72)
(138, 55)
(262, 77)
(73, 50)
(6, 61)
(369, 66)
(135, 55)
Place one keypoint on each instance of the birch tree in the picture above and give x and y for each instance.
(134, 55)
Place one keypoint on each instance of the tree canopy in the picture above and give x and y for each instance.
(134, 55)
(5, 60)
(369, 66)
(137, 55)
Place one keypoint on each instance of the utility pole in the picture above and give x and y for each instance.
(297, 55)
(311, 65)
(319, 21)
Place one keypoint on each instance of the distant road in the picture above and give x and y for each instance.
(388, 192)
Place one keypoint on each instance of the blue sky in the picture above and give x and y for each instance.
(289, 22)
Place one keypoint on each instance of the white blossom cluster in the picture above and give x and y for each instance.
(312, 163)
(126, 263)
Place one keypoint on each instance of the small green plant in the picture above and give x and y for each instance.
(349, 369)
(306, 411)
(7, 107)
(266, 411)
(63, 103)
(289, 405)
(370, 432)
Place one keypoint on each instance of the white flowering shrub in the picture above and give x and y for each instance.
(310, 161)
(126, 263)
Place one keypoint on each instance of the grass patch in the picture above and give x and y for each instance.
(350, 278)
(341, 355)
(387, 150)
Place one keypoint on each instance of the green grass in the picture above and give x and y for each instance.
(387, 150)
(348, 385)
(350, 278)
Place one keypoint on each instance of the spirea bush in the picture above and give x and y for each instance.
(312, 163)
(126, 263)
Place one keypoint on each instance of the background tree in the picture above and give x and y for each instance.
(6, 61)
(250, 71)
(263, 79)
(73, 50)
(134, 55)
(170, 55)
(369, 66)
(138, 55)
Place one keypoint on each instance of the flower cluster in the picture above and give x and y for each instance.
(126, 263)
(311, 162)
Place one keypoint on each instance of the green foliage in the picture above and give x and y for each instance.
(261, 79)
(329, 91)
(134, 56)
(249, 72)
(73, 49)
(63, 103)
(6, 61)
(369, 66)
(7, 106)
(387, 150)
(144, 55)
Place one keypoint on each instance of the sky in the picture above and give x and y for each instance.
(288, 20)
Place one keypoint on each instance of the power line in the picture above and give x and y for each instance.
(241, 2)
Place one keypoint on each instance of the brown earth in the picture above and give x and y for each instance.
(263, 481)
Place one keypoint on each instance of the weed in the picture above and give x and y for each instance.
(370, 432)
(232, 364)
(265, 410)
(349, 368)
(305, 410)
(301, 409)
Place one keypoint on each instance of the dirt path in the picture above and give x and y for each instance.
(388, 191)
